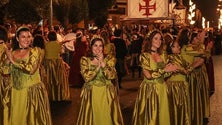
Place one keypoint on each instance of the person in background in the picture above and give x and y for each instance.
(192, 54)
(121, 52)
(109, 49)
(209, 45)
(151, 106)
(5, 84)
(39, 41)
(201, 74)
(60, 37)
(217, 41)
(81, 48)
(57, 77)
(69, 42)
(135, 51)
(99, 100)
(29, 100)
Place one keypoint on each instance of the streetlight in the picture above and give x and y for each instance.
(50, 15)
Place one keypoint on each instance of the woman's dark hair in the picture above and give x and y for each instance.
(169, 47)
(169, 41)
(183, 37)
(78, 40)
(92, 42)
(39, 41)
(15, 43)
(3, 34)
(21, 29)
(193, 35)
(148, 41)
(52, 36)
(117, 32)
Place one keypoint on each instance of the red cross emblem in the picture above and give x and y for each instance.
(147, 7)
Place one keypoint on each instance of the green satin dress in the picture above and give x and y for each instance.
(57, 83)
(151, 106)
(5, 87)
(29, 99)
(203, 79)
(178, 92)
(196, 85)
(42, 71)
(99, 100)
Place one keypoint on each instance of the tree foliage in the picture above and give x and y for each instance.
(22, 11)
(41, 6)
(65, 11)
(70, 11)
(3, 4)
(99, 12)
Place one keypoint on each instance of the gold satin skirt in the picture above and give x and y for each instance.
(151, 106)
(196, 83)
(5, 95)
(204, 90)
(56, 83)
(99, 106)
(30, 106)
(179, 102)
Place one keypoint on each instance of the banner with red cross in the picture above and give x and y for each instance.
(148, 8)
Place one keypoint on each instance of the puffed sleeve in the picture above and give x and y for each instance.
(144, 61)
(87, 72)
(31, 65)
(183, 66)
(109, 70)
(4, 67)
(195, 51)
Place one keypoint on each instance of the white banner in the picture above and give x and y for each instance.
(148, 8)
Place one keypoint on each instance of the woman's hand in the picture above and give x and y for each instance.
(100, 58)
(171, 68)
(9, 55)
(210, 45)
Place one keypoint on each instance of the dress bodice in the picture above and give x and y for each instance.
(99, 77)
(155, 68)
(25, 72)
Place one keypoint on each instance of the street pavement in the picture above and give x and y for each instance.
(66, 113)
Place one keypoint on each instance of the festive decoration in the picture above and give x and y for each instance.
(203, 23)
(191, 14)
(147, 8)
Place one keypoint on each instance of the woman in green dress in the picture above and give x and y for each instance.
(201, 72)
(5, 84)
(178, 87)
(57, 82)
(99, 100)
(29, 99)
(151, 106)
(192, 56)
